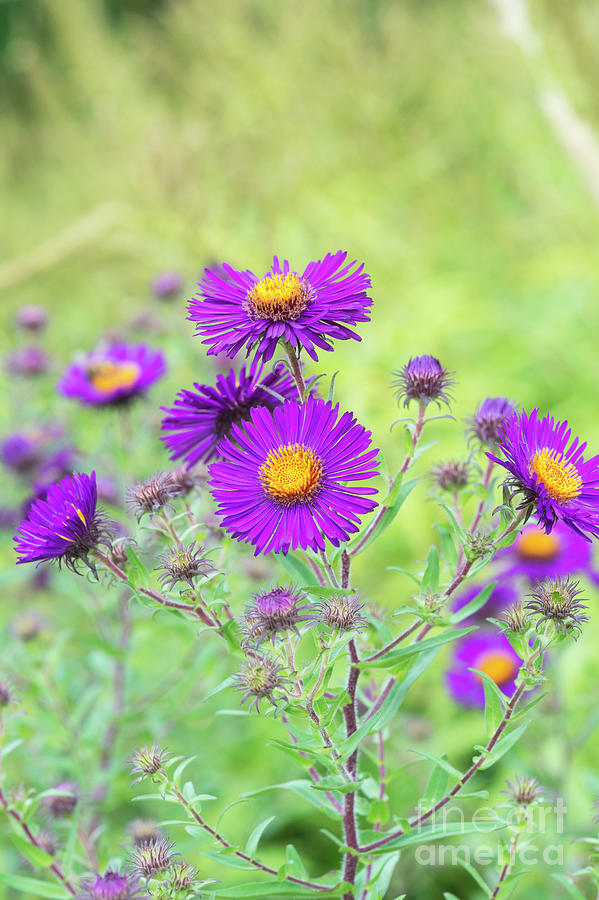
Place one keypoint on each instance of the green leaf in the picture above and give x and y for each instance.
(332, 387)
(300, 571)
(438, 832)
(69, 852)
(493, 702)
(254, 838)
(570, 888)
(304, 789)
(475, 875)
(36, 856)
(138, 574)
(504, 744)
(437, 785)
(439, 761)
(473, 606)
(35, 888)
(295, 862)
(390, 507)
(430, 579)
(181, 768)
(396, 659)
(272, 890)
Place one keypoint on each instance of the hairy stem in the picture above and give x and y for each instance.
(296, 371)
(350, 828)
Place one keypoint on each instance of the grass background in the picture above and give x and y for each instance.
(140, 136)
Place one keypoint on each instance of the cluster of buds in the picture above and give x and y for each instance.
(478, 545)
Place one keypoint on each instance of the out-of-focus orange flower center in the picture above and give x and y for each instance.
(279, 297)
(110, 376)
(498, 665)
(560, 478)
(291, 473)
(536, 545)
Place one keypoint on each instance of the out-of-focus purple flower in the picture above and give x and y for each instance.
(489, 418)
(288, 477)
(550, 472)
(31, 317)
(60, 805)
(113, 375)
(489, 652)
(110, 886)
(20, 452)
(307, 310)
(167, 285)
(66, 526)
(53, 468)
(201, 418)
(503, 595)
(108, 490)
(425, 380)
(28, 361)
(537, 555)
(9, 518)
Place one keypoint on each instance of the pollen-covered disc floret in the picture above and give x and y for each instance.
(183, 563)
(550, 472)
(489, 418)
(110, 886)
(557, 600)
(65, 526)
(152, 857)
(524, 791)
(148, 761)
(451, 475)
(340, 612)
(113, 374)
(425, 380)
(201, 417)
(261, 679)
(237, 309)
(150, 496)
(274, 611)
(288, 477)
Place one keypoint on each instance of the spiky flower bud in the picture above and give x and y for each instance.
(149, 497)
(556, 600)
(451, 475)
(110, 886)
(478, 545)
(46, 840)
(188, 480)
(514, 619)
(524, 791)
(27, 361)
(118, 552)
(143, 830)
(61, 805)
(152, 857)
(272, 612)
(183, 564)
(182, 876)
(487, 421)
(167, 285)
(340, 612)
(423, 379)
(148, 761)
(260, 679)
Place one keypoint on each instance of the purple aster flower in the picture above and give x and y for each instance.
(550, 472)
(66, 526)
(114, 374)
(28, 361)
(306, 310)
(489, 652)
(489, 418)
(201, 418)
(167, 285)
(110, 886)
(537, 555)
(501, 597)
(423, 379)
(274, 611)
(286, 478)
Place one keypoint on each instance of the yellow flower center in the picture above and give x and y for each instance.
(560, 478)
(535, 544)
(291, 473)
(110, 376)
(498, 665)
(279, 297)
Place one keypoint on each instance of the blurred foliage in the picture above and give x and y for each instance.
(139, 136)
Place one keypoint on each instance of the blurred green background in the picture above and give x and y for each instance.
(144, 135)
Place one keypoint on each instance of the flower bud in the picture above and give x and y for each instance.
(486, 423)
(148, 761)
(340, 612)
(556, 600)
(260, 678)
(425, 380)
(451, 475)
